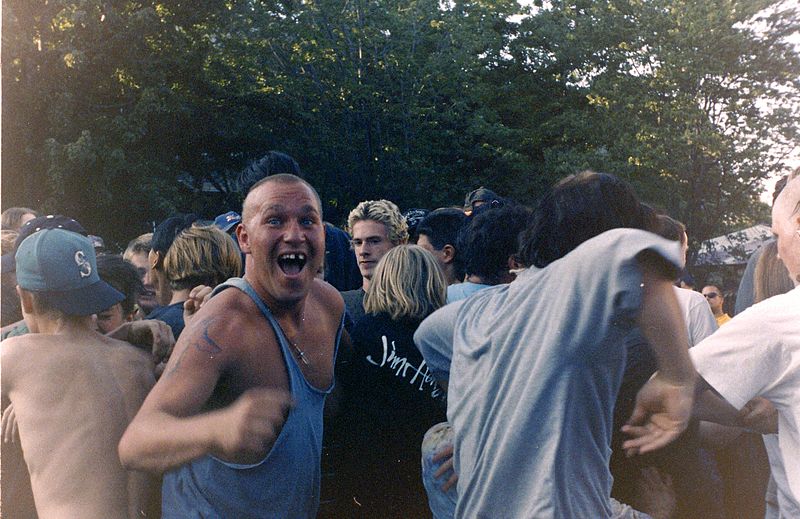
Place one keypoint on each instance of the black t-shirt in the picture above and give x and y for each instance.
(390, 401)
(389, 384)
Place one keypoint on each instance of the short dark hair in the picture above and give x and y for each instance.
(442, 226)
(273, 163)
(164, 234)
(42, 306)
(121, 275)
(577, 209)
(490, 238)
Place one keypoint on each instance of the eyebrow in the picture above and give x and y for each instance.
(308, 208)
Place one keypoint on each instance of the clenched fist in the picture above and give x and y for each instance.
(248, 428)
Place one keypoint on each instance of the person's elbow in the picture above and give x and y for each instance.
(131, 449)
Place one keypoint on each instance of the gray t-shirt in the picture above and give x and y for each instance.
(536, 367)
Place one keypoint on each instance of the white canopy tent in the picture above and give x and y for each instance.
(733, 248)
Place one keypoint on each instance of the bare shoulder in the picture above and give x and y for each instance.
(17, 349)
(224, 326)
(327, 297)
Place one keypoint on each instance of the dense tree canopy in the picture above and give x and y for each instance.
(119, 112)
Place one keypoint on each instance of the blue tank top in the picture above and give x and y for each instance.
(285, 484)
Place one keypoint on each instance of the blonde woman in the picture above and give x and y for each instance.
(391, 398)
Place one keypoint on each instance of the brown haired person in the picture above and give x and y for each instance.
(197, 256)
(15, 217)
(533, 380)
(73, 391)
(136, 253)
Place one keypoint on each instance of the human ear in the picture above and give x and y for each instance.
(448, 253)
(243, 238)
(25, 300)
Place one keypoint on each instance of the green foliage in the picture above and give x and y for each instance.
(120, 112)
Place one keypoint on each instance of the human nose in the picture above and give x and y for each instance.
(294, 232)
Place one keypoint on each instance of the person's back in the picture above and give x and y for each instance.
(73, 396)
(72, 391)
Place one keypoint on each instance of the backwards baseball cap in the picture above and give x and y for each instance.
(479, 195)
(61, 267)
(228, 221)
(37, 224)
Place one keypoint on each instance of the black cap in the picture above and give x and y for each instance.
(481, 194)
(37, 224)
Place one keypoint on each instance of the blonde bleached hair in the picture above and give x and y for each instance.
(408, 283)
(382, 211)
(201, 255)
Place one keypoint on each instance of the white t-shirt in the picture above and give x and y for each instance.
(757, 353)
(697, 315)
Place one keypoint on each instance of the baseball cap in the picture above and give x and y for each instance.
(61, 267)
(37, 224)
(481, 194)
(227, 221)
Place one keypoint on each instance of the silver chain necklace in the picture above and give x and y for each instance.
(300, 352)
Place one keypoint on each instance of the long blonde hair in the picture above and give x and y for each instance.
(408, 283)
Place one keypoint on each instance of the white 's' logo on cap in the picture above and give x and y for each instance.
(83, 264)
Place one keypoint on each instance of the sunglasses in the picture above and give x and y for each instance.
(710, 295)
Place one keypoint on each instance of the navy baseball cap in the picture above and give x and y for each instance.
(228, 221)
(61, 267)
(50, 221)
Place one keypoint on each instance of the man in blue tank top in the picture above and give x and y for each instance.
(235, 422)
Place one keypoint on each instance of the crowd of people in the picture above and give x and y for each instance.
(490, 360)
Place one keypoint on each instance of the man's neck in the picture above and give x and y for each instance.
(478, 280)
(179, 296)
(65, 326)
(294, 310)
(365, 284)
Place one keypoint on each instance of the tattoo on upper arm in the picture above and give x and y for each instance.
(204, 344)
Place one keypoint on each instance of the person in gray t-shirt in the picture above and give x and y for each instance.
(536, 364)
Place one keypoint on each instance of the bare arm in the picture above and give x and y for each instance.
(758, 415)
(168, 431)
(664, 404)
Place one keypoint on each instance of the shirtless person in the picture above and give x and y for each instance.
(73, 391)
(237, 415)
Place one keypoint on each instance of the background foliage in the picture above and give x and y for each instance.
(121, 112)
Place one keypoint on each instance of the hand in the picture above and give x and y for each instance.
(447, 455)
(661, 414)
(197, 297)
(760, 415)
(150, 335)
(249, 427)
(9, 425)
